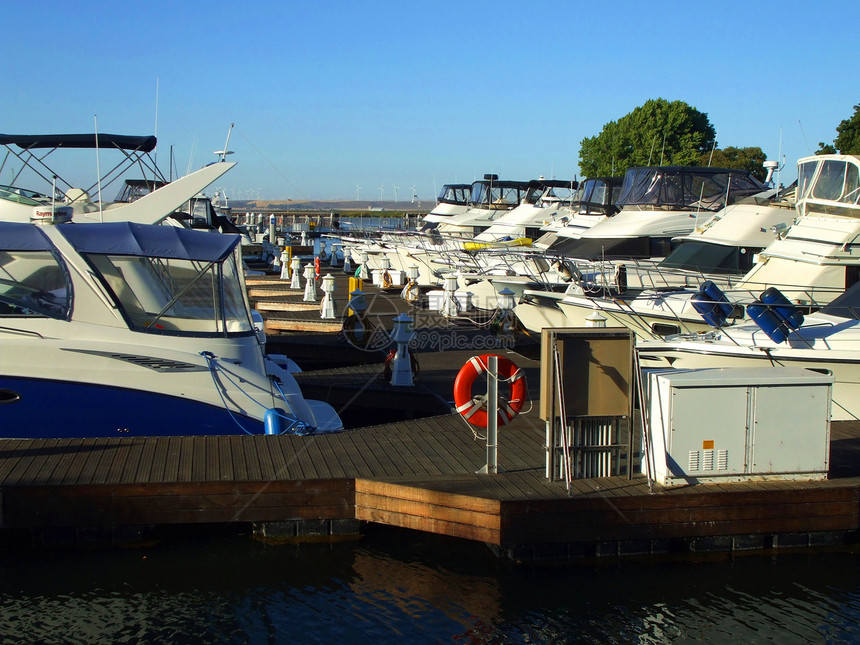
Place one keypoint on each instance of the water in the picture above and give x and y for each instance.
(398, 586)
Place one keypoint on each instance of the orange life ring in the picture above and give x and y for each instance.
(317, 266)
(474, 409)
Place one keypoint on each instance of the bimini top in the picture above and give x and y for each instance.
(122, 141)
(685, 187)
(19, 236)
(149, 240)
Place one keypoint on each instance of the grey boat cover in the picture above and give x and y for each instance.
(149, 240)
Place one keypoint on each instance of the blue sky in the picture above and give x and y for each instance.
(330, 96)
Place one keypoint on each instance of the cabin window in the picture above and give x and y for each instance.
(34, 284)
(176, 296)
(830, 181)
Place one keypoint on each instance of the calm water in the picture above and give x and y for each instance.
(403, 587)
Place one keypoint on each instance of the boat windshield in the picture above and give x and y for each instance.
(177, 296)
(455, 194)
(686, 187)
(710, 258)
(34, 284)
(498, 194)
(23, 196)
(829, 179)
(597, 196)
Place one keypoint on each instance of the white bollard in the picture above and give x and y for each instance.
(273, 233)
(310, 284)
(347, 261)
(410, 292)
(333, 259)
(364, 273)
(304, 238)
(401, 364)
(295, 278)
(450, 305)
(595, 318)
(285, 265)
(327, 308)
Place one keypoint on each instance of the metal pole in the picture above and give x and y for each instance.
(492, 414)
(492, 466)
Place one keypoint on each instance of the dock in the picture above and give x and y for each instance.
(407, 460)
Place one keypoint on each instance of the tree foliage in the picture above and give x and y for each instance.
(847, 141)
(750, 158)
(658, 132)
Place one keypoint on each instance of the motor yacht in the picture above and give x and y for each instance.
(146, 201)
(126, 329)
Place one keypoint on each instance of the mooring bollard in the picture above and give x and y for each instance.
(401, 364)
(310, 284)
(327, 309)
(347, 260)
(450, 306)
(295, 278)
(410, 292)
(364, 272)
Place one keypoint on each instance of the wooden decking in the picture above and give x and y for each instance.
(419, 475)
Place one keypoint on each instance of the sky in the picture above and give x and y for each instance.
(342, 100)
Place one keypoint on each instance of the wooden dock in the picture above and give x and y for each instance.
(419, 475)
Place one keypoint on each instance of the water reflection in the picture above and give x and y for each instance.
(396, 587)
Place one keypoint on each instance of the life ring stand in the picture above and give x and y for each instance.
(473, 409)
(317, 267)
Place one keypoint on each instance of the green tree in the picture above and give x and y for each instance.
(658, 132)
(847, 140)
(750, 158)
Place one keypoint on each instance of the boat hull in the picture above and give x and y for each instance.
(43, 409)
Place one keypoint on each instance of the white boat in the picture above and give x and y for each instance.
(657, 204)
(812, 257)
(61, 200)
(125, 329)
(827, 340)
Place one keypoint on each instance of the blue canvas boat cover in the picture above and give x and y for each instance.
(144, 143)
(18, 236)
(149, 240)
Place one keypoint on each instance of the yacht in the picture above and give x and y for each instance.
(147, 201)
(777, 335)
(657, 204)
(126, 329)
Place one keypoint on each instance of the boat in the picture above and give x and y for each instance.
(124, 329)
(657, 205)
(811, 258)
(147, 201)
(777, 334)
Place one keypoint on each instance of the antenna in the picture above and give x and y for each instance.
(223, 153)
(155, 156)
(98, 167)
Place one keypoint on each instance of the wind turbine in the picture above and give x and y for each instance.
(357, 193)
(414, 196)
(395, 191)
(381, 190)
